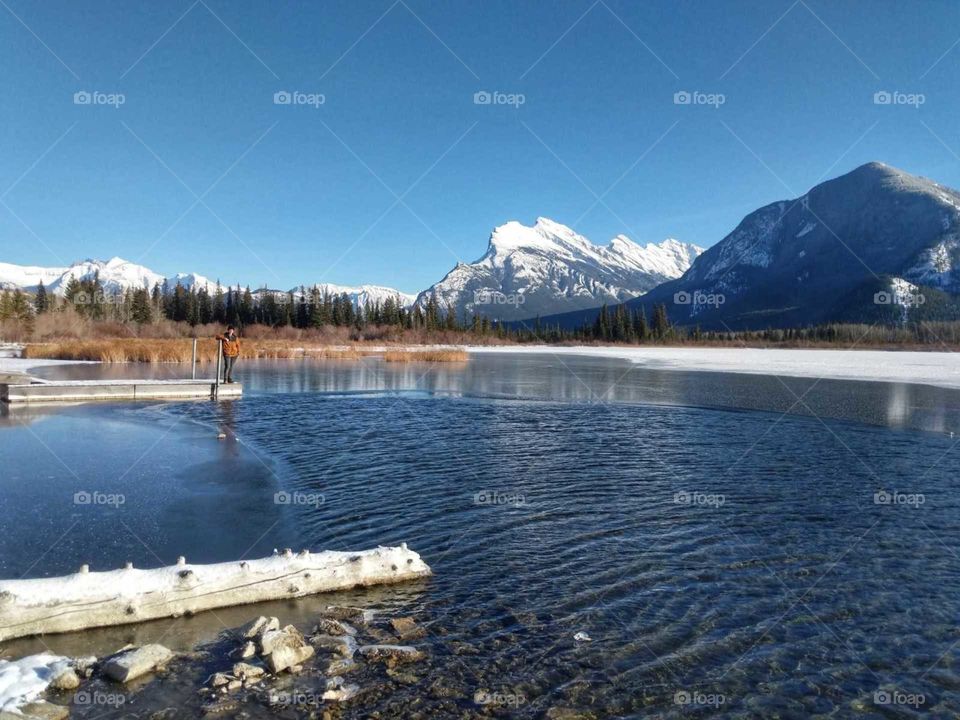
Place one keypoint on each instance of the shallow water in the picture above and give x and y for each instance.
(719, 537)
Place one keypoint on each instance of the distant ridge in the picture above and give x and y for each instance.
(874, 245)
(118, 275)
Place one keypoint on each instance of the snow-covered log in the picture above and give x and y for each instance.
(117, 597)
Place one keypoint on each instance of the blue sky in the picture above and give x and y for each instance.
(399, 173)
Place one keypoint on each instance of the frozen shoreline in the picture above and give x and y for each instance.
(26, 366)
(941, 369)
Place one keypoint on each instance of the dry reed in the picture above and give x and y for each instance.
(169, 350)
(426, 356)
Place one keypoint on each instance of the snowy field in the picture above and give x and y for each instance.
(927, 368)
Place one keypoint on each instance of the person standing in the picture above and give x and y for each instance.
(231, 351)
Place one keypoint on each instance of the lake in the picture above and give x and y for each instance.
(730, 545)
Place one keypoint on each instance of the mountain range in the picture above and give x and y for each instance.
(542, 269)
(118, 275)
(874, 245)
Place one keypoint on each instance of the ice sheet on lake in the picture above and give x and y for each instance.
(929, 368)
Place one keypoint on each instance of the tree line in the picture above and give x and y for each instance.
(311, 308)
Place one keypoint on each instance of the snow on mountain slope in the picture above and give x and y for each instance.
(821, 257)
(27, 277)
(526, 271)
(360, 295)
(116, 275)
(548, 268)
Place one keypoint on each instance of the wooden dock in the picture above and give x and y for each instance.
(88, 390)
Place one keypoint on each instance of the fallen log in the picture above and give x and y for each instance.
(119, 597)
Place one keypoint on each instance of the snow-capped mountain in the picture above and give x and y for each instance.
(116, 275)
(360, 295)
(874, 245)
(548, 268)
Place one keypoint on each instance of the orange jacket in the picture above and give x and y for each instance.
(231, 348)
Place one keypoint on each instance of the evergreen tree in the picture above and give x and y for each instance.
(601, 326)
(661, 323)
(41, 302)
(219, 305)
(140, 311)
(317, 308)
(204, 306)
(245, 310)
(640, 329)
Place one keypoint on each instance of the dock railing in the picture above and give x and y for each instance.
(216, 387)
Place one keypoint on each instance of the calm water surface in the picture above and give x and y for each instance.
(757, 546)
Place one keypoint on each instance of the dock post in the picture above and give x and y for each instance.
(193, 372)
(216, 387)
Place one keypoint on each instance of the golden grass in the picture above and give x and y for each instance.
(337, 353)
(426, 356)
(176, 350)
(123, 350)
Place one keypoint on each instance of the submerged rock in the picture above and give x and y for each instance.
(331, 626)
(131, 664)
(340, 666)
(255, 628)
(338, 691)
(402, 677)
(285, 649)
(218, 680)
(67, 679)
(40, 710)
(562, 713)
(391, 653)
(354, 614)
(246, 671)
(343, 645)
(84, 666)
(407, 628)
(220, 706)
(462, 648)
(271, 638)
